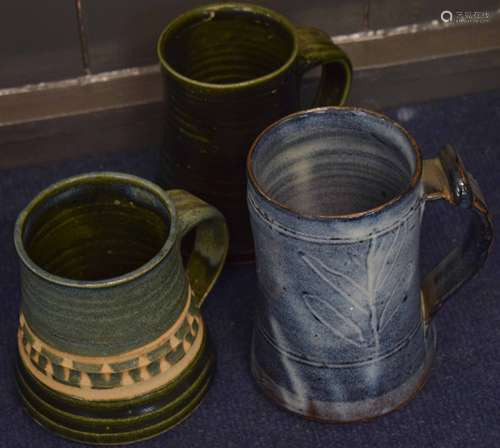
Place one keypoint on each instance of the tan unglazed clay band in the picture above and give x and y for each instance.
(128, 388)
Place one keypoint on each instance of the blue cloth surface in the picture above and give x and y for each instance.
(458, 407)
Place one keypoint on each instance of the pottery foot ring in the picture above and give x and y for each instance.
(119, 401)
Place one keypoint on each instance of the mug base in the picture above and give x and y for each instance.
(118, 422)
(348, 412)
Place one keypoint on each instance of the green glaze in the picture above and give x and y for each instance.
(98, 248)
(102, 276)
(118, 422)
(230, 70)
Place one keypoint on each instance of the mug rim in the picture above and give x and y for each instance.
(414, 180)
(86, 179)
(180, 20)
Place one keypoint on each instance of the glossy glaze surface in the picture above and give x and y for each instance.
(230, 70)
(110, 318)
(336, 199)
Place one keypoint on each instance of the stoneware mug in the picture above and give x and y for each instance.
(229, 70)
(343, 330)
(112, 345)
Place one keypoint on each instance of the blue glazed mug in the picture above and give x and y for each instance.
(343, 329)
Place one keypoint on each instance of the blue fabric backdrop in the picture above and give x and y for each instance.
(459, 406)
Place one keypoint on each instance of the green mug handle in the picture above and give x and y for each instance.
(211, 241)
(316, 48)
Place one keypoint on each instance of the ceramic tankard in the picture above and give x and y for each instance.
(112, 345)
(344, 327)
(229, 70)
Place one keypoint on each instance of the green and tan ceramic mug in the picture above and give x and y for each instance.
(112, 344)
(230, 70)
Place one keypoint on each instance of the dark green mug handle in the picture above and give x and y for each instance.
(316, 48)
(445, 177)
(211, 241)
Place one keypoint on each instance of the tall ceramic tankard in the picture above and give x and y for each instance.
(344, 327)
(112, 345)
(229, 70)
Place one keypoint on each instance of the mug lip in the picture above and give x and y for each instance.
(414, 180)
(181, 20)
(87, 179)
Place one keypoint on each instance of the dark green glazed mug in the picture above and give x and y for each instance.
(112, 345)
(229, 70)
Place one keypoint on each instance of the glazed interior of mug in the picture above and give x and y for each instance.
(226, 45)
(96, 230)
(333, 162)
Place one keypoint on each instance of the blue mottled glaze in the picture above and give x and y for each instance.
(336, 201)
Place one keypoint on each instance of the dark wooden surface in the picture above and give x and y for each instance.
(125, 112)
(91, 134)
(424, 44)
(121, 36)
(425, 80)
(86, 96)
(393, 13)
(38, 41)
(92, 115)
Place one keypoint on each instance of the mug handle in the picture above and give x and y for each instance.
(445, 177)
(210, 245)
(316, 48)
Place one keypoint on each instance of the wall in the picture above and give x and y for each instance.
(59, 39)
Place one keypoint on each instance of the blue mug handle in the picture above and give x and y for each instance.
(445, 177)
